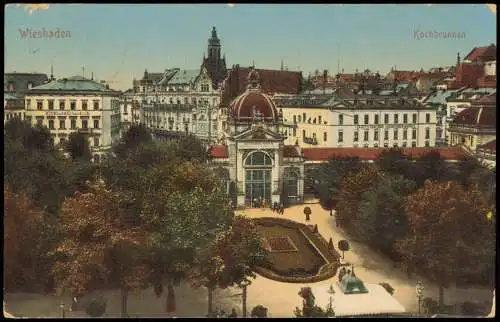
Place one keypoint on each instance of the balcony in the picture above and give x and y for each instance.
(476, 129)
(312, 141)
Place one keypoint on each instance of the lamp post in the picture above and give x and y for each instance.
(62, 306)
(244, 285)
(331, 291)
(419, 289)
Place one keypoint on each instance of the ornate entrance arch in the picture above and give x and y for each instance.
(258, 171)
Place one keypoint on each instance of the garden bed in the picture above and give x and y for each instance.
(296, 254)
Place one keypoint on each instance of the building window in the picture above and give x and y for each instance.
(96, 105)
(356, 136)
(395, 145)
(96, 124)
(405, 134)
(386, 145)
(51, 124)
(341, 119)
(404, 144)
(396, 119)
(365, 137)
(405, 118)
(319, 119)
(303, 133)
(341, 136)
(304, 117)
(395, 134)
(414, 117)
(51, 104)
(426, 143)
(73, 105)
(294, 132)
(73, 124)
(386, 118)
(414, 144)
(62, 141)
(85, 124)
(39, 105)
(356, 119)
(375, 145)
(376, 119)
(324, 136)
(96, 141)
(62, 124)
(39, 122)
(84, 105)
(414, 134)
(427, 117)
(61, 105)
(366, 118)
(300, 119)
(375, 135)
(386, 135)
(295, 119)
(427, 133)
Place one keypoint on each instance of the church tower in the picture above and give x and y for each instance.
(214, 63)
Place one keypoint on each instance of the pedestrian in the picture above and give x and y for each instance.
(341, 274)
(282, 209)
(275, 208)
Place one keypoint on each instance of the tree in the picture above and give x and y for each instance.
(184, 210)
(450, 237)
(393, 161)
(430, 166)
(259, 311)
(343, 246)
(327, 179)
(381, 213)
(78, 146)
(231, 258)
(96, 306)
(99, 247)
(309, 309)
(191, 148)
(134, 137)
(22, 222)
(349, 198)
(307, 212)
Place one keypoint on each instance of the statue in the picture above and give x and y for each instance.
(256, 114)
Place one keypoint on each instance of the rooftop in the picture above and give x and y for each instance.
(72, 84)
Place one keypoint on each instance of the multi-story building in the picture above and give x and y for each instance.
(15, 86)
(76, 104)
(478, 67)
(184, 100)
(473, 127)
(348, 120)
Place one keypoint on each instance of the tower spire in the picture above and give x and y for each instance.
(282, 66)
(51, 71)
(458, 58)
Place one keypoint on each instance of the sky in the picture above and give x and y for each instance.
(118, 42)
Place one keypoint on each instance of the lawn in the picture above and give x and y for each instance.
(297, 256)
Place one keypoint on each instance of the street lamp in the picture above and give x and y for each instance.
(244, 285)
(419, 289)
(331, 291)
(62, 306)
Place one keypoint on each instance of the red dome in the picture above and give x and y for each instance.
(253, 102)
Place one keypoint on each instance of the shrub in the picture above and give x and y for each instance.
(387, 287)
(259, 312)
(96, 306)
(470, 308)
(430, 305)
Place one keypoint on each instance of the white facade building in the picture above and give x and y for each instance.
(76, 104)
(358, 122)
(185, 100)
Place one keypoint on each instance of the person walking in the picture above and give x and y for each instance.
(282, 209)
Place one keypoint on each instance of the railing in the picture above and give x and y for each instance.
(475, 129)
(312, 141)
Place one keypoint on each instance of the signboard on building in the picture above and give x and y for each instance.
(68, 113)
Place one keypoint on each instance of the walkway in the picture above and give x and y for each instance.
(280, 298)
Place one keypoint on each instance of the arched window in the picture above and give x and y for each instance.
(258, 159)
(258, 179)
